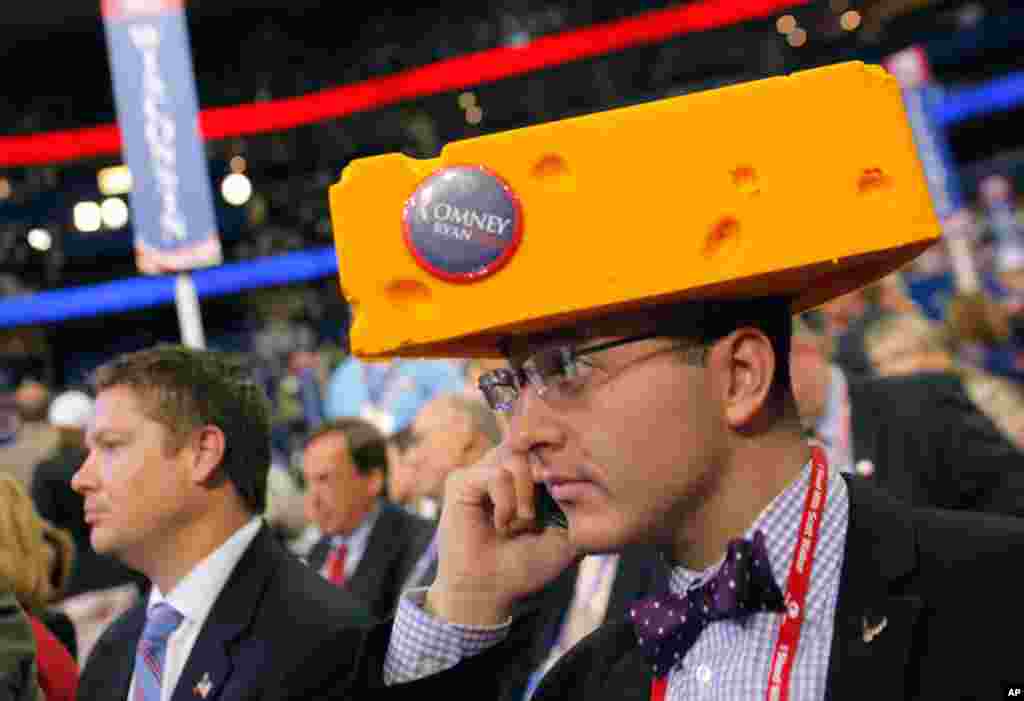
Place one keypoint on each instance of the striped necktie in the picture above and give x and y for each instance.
(161, 621)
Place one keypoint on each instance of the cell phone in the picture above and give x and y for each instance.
(549, 513)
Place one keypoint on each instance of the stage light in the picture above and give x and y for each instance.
(797, 37)
(88, 216)
(238, 164)
(236, 189)
(40, 239)
(474, 115)
(785, 24)
(114, 212)
(115, 180)
(467, 100)
(850, 20)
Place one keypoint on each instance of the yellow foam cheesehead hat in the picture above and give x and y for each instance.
(806, 186)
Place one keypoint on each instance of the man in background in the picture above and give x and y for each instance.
(918, 436)
(26, 437)
(369, 545)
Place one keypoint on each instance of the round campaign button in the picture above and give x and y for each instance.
(462, 223)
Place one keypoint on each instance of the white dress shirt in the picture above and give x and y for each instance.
(193, 597)
(356, 542)
(834, 427)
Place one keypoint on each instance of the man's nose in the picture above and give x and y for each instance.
(84, 478)
(534, 429)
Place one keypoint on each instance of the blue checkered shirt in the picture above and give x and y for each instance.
(730, 660)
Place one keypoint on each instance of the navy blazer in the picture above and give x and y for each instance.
(930, 446)
(272, 613)
(395, 544)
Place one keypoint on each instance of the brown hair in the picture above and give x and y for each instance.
(185, 389)
(35, 556)
(366, 444)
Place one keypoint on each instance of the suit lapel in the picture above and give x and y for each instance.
(210, 664)
(128, 633)
(318, 553)
(862, 429)
(874, 623)
(641, 572)
(382, 548)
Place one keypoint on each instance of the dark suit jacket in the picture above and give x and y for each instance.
(932, 447)
(396, 542)
(942, 580)
(271, 614)
(641, 572)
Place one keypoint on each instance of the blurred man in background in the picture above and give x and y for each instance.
(25, 435)
(917, 435)
(369, 546)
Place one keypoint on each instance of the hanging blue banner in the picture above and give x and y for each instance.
(154, 88)
(923, 99)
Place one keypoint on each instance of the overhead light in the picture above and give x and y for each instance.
(238, 164)
(785, 24)
(797, 37)
(40, 239)
(115, 180)
(87, 216)
(850, 20)
(236, 189)
(114, 213)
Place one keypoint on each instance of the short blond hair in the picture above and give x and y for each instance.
(932, 337)
(35, 556)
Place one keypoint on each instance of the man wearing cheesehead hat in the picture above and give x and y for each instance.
(638, 270)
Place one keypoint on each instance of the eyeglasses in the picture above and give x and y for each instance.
(559, 372)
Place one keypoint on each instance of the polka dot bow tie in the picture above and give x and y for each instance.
(668, 625)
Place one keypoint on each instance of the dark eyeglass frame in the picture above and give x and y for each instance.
(502, 387)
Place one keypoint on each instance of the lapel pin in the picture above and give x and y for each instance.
(865, 468)
(872, 631)
(204, 687)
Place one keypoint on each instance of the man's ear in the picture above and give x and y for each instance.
(210, 444)
(745, 361)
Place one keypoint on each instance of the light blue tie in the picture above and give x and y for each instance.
(161, 621)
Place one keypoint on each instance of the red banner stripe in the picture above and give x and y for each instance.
(449, 74)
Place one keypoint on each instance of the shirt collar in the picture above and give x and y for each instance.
(195, 595)
(779, 521)
(356, 540)
(828, 426)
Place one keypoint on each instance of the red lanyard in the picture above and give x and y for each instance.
(796, 586)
